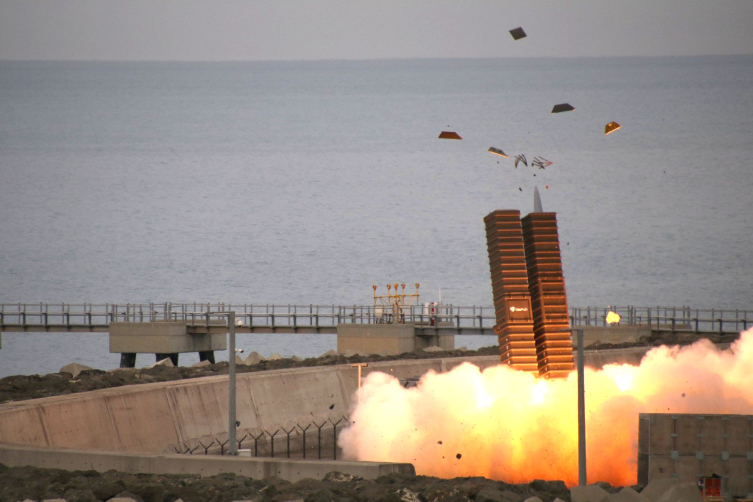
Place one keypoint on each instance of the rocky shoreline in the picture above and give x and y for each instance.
(22, 387)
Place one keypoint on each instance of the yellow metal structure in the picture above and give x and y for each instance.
(390, 308)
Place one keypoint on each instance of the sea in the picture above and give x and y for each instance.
(307, 182)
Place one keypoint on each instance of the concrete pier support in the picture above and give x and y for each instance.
(173, 357)
(127, 360)
(165, 339)
(386, 339)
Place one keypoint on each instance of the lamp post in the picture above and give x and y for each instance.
(359, 366)
(582, 481)
(233, 450)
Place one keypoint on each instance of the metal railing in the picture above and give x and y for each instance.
(684, 319)
(263, 316)
(311, 318)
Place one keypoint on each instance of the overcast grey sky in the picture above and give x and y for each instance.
(214, 30)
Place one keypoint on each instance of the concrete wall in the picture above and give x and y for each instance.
(151, 417)
(291, 470)
(161, 337)
(687, 446)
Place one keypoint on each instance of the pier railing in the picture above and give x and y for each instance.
(325, 318)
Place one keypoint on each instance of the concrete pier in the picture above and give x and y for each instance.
(388, 339)
(165, 339)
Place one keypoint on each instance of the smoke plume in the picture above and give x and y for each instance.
(509, 425)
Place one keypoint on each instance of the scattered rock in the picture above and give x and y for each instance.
(407, 495)
(533, 499)
(126, 497)
(79, 495)
(491, 494)
(340, 477)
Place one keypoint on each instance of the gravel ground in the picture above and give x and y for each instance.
(20, 483)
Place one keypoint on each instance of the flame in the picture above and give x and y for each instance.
(613, 317)
(516, 427)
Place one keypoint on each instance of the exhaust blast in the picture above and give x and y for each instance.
(510, 425)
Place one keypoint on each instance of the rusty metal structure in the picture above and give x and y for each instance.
(528, 287)
(546, 282)
(392, 307)
(512, 298)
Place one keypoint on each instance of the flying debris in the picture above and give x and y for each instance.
(611, 127)
(518, 33)
(521, 158)
(497, 151)
(562, 107)
(541, 162)
(449, 135)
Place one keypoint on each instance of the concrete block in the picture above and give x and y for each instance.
(239, 360)
(201, 363)
(330, 352)
(254, 358)
(74, 369)
(382, 339)
(590, 493)
(627, 494)
(274, 357)
(533, 499)
(296, 359)
(657, 487)
(682, 492)
(163, 362)
(161, 337)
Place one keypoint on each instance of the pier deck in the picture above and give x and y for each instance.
(448, 319)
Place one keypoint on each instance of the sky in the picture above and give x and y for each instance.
(222, 30)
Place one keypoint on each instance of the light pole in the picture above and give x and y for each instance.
(359, 366)
(581, 413)
(231, 385)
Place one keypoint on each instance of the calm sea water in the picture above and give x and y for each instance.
(307, 182)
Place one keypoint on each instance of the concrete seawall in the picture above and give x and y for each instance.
(150, 463)
(148, 418)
